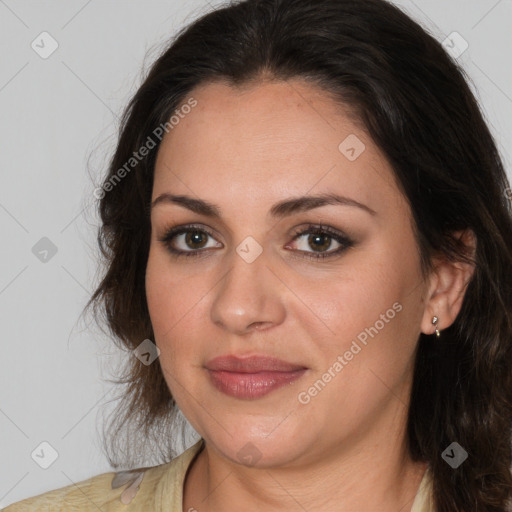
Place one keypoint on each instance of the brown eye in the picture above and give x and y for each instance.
(195, 239)
(320, 239)
(321, 242)
(187, 240)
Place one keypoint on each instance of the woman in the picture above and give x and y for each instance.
(308, 216)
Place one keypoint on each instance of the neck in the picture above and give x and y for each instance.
(360, 475)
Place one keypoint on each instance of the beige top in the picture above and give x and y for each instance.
(156, 488)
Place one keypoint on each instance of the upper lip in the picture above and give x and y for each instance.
(252, 364)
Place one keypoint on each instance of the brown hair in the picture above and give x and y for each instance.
(415, 102)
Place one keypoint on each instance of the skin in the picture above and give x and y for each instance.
(244, 150)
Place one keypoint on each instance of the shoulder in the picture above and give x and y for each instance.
(104, 492)
(127, 491)
(424, 500)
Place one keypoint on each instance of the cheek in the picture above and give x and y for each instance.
(373, 313)
(157, 293)
(168, 295)
(356, 297)
(367, 363)
(174, 304)
(165, 310)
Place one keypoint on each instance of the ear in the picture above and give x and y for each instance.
(448, 283)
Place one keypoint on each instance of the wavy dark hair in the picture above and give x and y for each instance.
(415, 102)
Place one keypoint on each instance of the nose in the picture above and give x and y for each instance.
(249, 297)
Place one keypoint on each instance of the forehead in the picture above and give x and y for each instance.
(270, 140)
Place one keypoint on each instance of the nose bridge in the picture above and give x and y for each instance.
(249, 293)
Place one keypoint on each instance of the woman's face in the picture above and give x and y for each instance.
(343, 327)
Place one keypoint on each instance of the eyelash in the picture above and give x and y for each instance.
(344, 240)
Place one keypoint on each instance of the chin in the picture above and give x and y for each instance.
(262, 443)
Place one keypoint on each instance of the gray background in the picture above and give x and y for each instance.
(57, 129)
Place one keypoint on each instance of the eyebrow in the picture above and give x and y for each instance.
(278, 210)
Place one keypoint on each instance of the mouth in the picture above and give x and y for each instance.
(251, 377)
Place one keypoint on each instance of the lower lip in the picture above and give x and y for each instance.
(250, 386)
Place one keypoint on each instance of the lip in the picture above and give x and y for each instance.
(252, 377)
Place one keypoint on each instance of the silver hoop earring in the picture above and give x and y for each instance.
(434, 321)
